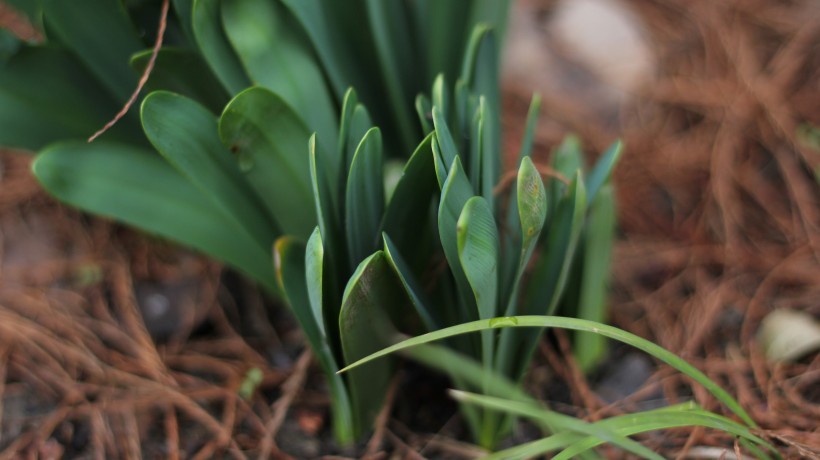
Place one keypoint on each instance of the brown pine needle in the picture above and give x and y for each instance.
(145, 74)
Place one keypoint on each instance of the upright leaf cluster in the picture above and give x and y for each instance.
(253, 139)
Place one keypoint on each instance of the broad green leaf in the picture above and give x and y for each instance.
(349, 104)
(454, 196)
(599, 234)
(411, 285)
(465, 105)
(46, 95)
(567, 160)
(139, 188)
(213, 44)
(477, 154)
(441, 37)
(532, 213)
(549, 276)
(291, 269)
(552, 270)
(184, 10)
(424, 110)
(440, 96)
(365, 327)
(603, 169)
(185, 133)
(270, 144)
(554, 420)
(335, 248)
(360, 123)
(478, 253)
(184, 72)
(512, 244)
(314, 276)
(445, 139)
(289, 259)
(575, 324)
(480, 70)
(101, 35)
(438, 162)
(392, 39)
(364, 198)
(277, 55)
(411, 200)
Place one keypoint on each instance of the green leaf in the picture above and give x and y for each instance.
(277, 55)
(291, 269)
(184, 11)
(185, 133)
(532, 213)
(314, 275)
(480, 70)
(101, 35)
(46, 95)
(575, 324)
(478, 253)
(445, 139)
(365, 327)
(554, 420)
(393, 41)
(364, 198)
(424, 110)
(589, 349)
(454, 196)
(411, 200)
(603, 169)
(213, 44)
(270, 144)
(628, 425)
(184, 72)
(552, 271)
(411, 285)
(139, 188)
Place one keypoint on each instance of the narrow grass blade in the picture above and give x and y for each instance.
(269, 142)
(185, 133)
(139, 188)
(602, 171)
(364, 198)
(213, 43)
(589, 349)
(556, 421)
(577, 325)
(276, 55)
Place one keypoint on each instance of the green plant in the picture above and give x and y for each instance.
(279, 169)
(568, 434)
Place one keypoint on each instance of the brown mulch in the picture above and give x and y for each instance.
(719, 204)
(719, 211)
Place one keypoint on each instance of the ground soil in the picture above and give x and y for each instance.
(115, 345)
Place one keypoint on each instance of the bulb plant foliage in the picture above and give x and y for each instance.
(253, 139)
